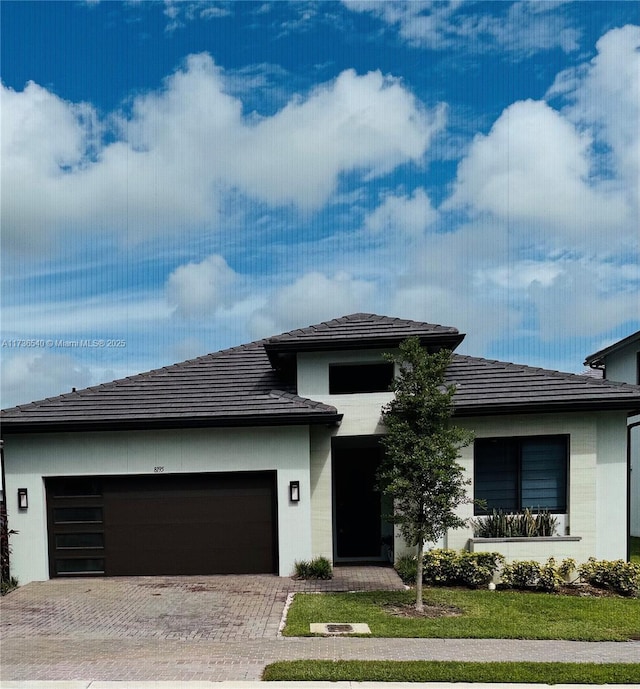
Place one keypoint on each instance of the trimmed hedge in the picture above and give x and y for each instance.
(452, 568)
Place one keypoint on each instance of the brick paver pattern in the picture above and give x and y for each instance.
(211, 628)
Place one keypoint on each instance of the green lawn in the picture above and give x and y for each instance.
(435, 671)
(486, 614)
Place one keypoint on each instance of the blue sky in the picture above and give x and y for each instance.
(181, 177)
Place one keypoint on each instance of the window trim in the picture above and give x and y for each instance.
(519, 441)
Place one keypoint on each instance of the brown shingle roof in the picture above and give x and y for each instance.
(235, 386)
(486, 387)
(359, 331)
(239, 386)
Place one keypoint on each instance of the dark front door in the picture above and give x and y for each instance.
(357, 503)
(163, 524)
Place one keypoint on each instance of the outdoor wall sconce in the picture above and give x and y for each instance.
(23, 498)
(294, 491)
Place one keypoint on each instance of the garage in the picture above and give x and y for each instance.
(162, 524)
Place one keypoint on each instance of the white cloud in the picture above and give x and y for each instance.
(184, 146)
(520, 274)
(403, 215)
(534, 166)
(605, 95)
(107, 315)
(27, 377)
(312, 298)
(526, 28)
(589, 297)
(369, 123)
(197, 290)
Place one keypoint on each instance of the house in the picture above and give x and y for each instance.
(621, 362)
(251, 458)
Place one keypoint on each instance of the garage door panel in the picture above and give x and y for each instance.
(169, 524)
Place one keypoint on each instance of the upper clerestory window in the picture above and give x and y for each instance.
(345, 379)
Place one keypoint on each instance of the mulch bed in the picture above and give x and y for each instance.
(430, 610)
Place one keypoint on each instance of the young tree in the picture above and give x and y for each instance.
(420, 469)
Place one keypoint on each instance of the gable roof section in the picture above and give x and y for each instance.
(240, 386)
(233, 387)
(595, 360)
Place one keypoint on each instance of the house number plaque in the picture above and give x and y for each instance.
(158, 470)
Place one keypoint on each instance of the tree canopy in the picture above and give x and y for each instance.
(420, 469)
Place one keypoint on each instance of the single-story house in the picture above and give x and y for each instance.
(621, 362)
(251, 458)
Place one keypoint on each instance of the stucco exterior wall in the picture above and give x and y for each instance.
(361, 418)
(621, 365)
(596, 486)
(634, 451)
(597, 466)
(30, 457)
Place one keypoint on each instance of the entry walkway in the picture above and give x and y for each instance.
(213, 629)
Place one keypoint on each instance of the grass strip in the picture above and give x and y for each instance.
(484, 615)
(444, 671)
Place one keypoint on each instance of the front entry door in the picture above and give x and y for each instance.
(357, 503)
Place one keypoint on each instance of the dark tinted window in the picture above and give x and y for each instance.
(512, 474)
(77, 514)
(80, 540)
(352, 378)
(80, 565)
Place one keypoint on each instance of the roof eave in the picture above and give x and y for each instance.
(546, 408)
(596, 360)
(12, 427)
(277, 349)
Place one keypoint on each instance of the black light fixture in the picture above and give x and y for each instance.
(294, 491)
(23, 499)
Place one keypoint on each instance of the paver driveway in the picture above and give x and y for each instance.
(213, 628)
(95, 627)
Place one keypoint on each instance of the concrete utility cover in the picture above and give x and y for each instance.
(339, 628)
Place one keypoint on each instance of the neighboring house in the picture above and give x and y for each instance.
(621, 362)
(249, 459)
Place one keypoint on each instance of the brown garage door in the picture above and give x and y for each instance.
(163, 524)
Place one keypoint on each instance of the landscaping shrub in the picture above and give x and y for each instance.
(7, 585)
(318, 568)
(451, 568)
(528, 574)
(407, 568)
(617, 575)
(526, 524)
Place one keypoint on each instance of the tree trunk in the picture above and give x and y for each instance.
(419, 603)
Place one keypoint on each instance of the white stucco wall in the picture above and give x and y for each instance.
(611, 487)
(634, 451)
(30, 457)
(362, 414)
(621, 365)
(597, 483)
(597, 466)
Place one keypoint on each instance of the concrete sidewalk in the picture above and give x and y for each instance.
(289, 685)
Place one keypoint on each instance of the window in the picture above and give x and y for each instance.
(512, 474)
(351, 378)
